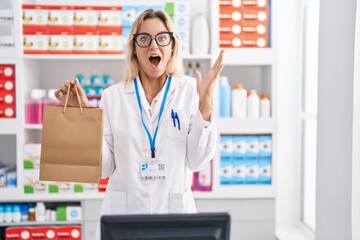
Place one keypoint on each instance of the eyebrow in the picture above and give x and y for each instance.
(149, 33)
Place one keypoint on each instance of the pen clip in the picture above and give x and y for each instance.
(173, 117)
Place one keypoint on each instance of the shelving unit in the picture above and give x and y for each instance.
(254, 67)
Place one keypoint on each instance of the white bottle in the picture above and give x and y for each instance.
(253, 105)
(239, 101)
(264, 106)
(200, 35)
(40, 212)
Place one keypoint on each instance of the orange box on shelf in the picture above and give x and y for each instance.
(60, 17)
(261, 15)
(85, 18)
(7, 72)
(227, 7)
(260, 28)
(44, 233)
(254, 40)
(36, 43)
(18, 233)
(230, 40)
(229, 26)
(255, 3)
(34, 17)
(69, 233)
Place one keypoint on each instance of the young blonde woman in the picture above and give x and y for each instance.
(157, 123)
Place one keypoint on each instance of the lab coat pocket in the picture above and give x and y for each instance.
(176, 202)
(115, 202)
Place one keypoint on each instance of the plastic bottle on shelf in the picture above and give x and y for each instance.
(253, 105)
(264, 106)
(1, 213)
(106, 80)
(24, 212)
(225, 97)
(35, 106)
(189, 70)
(239, 101)
(8, 213)
(40, 212)
(200, 35)
(16, 214)
(31, 214)
(197, 68)
(80, 78)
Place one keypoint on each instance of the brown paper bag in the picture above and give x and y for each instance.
(71, 148)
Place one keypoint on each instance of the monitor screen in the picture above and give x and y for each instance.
(200, 226)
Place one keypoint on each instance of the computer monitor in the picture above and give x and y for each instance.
(201, 226)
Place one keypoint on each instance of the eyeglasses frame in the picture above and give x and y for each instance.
(135, 35)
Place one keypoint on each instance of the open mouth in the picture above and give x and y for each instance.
(155, 60)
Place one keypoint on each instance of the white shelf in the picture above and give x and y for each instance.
(33, 126)
(50, 197)
(246, 126)
(99, 56)
(238, 192)
(249, 56)
(33, 223)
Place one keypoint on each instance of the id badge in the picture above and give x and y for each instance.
(153, 170)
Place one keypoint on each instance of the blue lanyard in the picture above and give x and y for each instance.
(152, 140)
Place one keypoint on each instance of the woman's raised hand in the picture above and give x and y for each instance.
(205, 86)
(72, 101)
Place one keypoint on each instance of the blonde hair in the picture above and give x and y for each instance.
(175, 65)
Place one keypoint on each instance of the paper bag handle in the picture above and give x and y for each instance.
(77, 95)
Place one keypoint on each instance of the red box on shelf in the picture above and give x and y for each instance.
(103, 184)
(69, 233)
(44, 233)
(7, 72)
(18, 233)
(34, 18)
(7, 91)
(36, 43)
(61, 19)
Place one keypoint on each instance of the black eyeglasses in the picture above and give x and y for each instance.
(162, 39)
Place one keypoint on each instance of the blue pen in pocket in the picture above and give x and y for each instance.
(178, 120)
(173, 117)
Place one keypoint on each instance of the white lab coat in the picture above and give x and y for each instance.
(126, 146)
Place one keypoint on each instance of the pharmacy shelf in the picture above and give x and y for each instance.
(249, 56)
(51, 197)
(99, 57)
(238, 192)
(33, 126)
(46, 223)
(233, 126)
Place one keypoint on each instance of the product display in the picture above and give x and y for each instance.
(99, 29)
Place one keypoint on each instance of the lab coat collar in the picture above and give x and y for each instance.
(130, 89)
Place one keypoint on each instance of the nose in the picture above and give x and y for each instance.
(153, 44)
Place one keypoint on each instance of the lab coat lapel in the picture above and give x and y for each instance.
(130, 88)
(174, 83)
